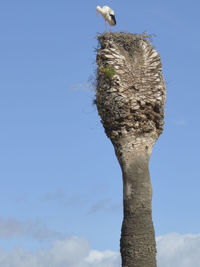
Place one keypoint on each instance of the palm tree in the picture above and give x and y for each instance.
(130, 99)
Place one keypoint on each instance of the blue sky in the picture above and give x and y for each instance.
(58, 171)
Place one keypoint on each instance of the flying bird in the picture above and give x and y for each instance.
(108, 14)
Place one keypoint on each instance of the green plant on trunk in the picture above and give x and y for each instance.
(108, 71)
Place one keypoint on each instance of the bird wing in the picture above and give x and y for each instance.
(108, 9)
(111, 11)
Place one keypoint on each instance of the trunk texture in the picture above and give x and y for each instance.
(130, 100)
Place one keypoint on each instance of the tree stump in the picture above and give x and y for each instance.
(130, 98)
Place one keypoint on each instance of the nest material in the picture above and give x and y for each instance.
(132, 96)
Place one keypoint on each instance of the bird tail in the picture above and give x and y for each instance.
(113, 19)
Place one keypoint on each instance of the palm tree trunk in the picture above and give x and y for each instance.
(130, 100)
(137, 244)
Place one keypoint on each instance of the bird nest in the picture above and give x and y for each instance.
(127, 41)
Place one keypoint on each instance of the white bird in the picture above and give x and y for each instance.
(108, 14)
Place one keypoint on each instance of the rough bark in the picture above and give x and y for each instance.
(130, 100)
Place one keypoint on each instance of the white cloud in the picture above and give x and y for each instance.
(180, 122)
(174, 250)
(73, 252)
(105, 205)
(89, 86)
(11, 228)
(62, 199)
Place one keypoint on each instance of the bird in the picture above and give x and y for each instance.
(108, 14)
